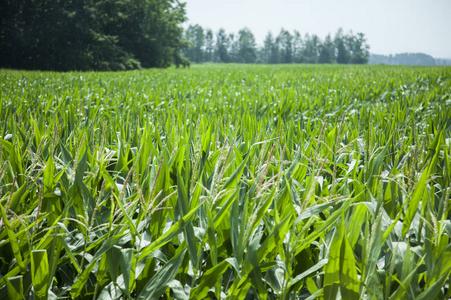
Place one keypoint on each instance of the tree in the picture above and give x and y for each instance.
(310, 52)
(343, 53)
(268, 48)
(209, 45)
(162, 34)
(285, 40)
(195, 37)
(221, 49)
(247, 51)
(297, 47)
(359, 49)
(232, 48)
(84, 34)
(327, 51)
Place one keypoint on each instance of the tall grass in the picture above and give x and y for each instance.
(232, 182)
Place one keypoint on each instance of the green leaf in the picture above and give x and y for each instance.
(340, 272)
(168, 235)
(421, 186)
(208, 280)
(81, 280)
(12, 239)
(40, 273)
(308, 272)
(15, 287)
(434, 291)
(156, 286)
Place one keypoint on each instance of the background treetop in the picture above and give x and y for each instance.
(285, 47)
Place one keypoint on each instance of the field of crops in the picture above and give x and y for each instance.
(237, 182)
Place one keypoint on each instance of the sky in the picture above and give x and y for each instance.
(391, 26)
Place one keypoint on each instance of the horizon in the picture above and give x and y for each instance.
(390, 28)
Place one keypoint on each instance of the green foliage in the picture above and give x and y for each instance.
(195, 36)
(237, 182)
(418, 59)
(84, 35)
(285, 48)
(247, 49)
(40, 273)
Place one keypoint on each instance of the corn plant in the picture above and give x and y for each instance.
(226, 182)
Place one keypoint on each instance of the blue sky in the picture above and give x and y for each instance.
(391, 26)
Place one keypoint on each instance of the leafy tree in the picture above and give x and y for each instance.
(286, 46)
(233, 48)
(195, 37)
(209, 45)
(310, 51)
(297, 47)
(359, 49)
(268, 53)
(343, 53)
(161, 34)
(327, 51)
(247, 51)
(84, 34)
(222, 46)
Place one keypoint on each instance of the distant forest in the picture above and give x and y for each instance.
(204, 45)
(416, 59)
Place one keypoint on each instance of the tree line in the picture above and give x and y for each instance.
(88, 34)
(416, 59)
(130, 34)
(204, 45)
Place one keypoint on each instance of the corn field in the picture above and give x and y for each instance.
(226, 182)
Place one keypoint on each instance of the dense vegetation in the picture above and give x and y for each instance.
(86, 34)
(413, 59)
(129, 34)
(418, 59)
(286, 48)
(221, 181)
